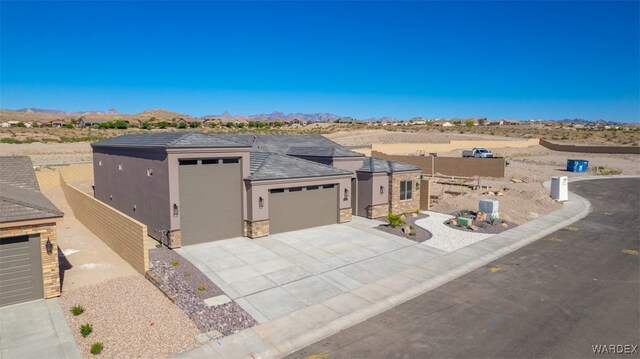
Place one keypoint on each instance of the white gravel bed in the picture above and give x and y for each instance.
(131, 318)
(445, 237)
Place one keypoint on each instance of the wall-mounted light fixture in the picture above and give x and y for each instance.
(48, 246)
(381, 189)
(260, 202)
(346, 194)
(175, 210)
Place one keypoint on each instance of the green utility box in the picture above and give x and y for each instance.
(464, 222)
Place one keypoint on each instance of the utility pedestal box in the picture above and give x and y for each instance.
(560, 188)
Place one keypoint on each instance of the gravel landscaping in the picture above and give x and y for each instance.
(190, 288)
(132, 319)
(447, 238)
(419, 234)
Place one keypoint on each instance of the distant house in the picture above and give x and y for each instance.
(56, 123)
(442, 124)
(84, 122)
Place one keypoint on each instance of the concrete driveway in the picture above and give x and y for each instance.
(274, 276)
(36, 329)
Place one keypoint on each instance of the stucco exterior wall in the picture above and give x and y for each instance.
(133, 186)
(50, 267)
(348, 163)
(259, 189)
(452, 166)
(173, 157)
(369, 191)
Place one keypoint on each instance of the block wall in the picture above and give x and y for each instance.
(126, 236)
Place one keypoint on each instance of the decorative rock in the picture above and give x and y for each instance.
(202, 338)
(406, 230)
(453, 222)
(217, 300)
(403, 217)
(504, 225)
(481, 216)
(473, 228)
(414, 214)
(500, 194)
(214, 334)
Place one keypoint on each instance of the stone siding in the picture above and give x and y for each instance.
(175, 239)
(50, 267)
(256, 229)
(377, 211)
(345, 215)
(396, 206)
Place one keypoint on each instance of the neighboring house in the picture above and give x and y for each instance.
(28, 241)
(56, 123)
(191, 187)
(442, 124)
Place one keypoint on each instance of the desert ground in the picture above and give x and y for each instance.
(519, 201)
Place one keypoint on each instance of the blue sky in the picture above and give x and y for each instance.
(522, 60)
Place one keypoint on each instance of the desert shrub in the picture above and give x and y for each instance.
(493, 218)
(96, 348)
(86, 329)
(121, 125)
(394, 220)
(21, 124)
(182, 125)
(77, 310)
(146, 125)
(163, 125)
(202, 288)
(175, 263)
(68, 125)
(10, 140)
(604, 171)
(194, 124)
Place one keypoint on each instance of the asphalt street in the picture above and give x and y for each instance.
(557, 297)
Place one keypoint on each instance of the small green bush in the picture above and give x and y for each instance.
(175, 263)
(77, 310)
(96, 348)
(394, 221)
(86, 329)
(202, 288)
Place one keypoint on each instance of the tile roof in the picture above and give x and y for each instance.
(266, 166)
(377, 165)
(17, 171)
(169, 140)
(322, 152)
(20, 198)
(284, 144)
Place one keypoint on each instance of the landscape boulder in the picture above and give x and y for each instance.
(481, 216)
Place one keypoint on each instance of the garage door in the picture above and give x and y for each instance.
(296, 208)
(20, 270)
(210, 200)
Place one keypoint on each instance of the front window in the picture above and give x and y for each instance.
(406, 190)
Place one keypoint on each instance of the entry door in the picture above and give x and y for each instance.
(210, 200)
(20, 270)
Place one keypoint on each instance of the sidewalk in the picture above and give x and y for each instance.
(299, 329)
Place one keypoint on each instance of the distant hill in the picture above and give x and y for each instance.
(41, 115)
(277, 116)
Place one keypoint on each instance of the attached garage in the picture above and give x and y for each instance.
(28, 237)
(20, 269)
(297, 208)
(210, 199)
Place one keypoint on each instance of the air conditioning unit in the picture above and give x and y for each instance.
(560, 188)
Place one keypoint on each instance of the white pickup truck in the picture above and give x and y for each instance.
(477, 152)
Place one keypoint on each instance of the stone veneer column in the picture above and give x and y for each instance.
(345, 215)
(256, 229)
(396, 206)
(174, 239)
(377, 211)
